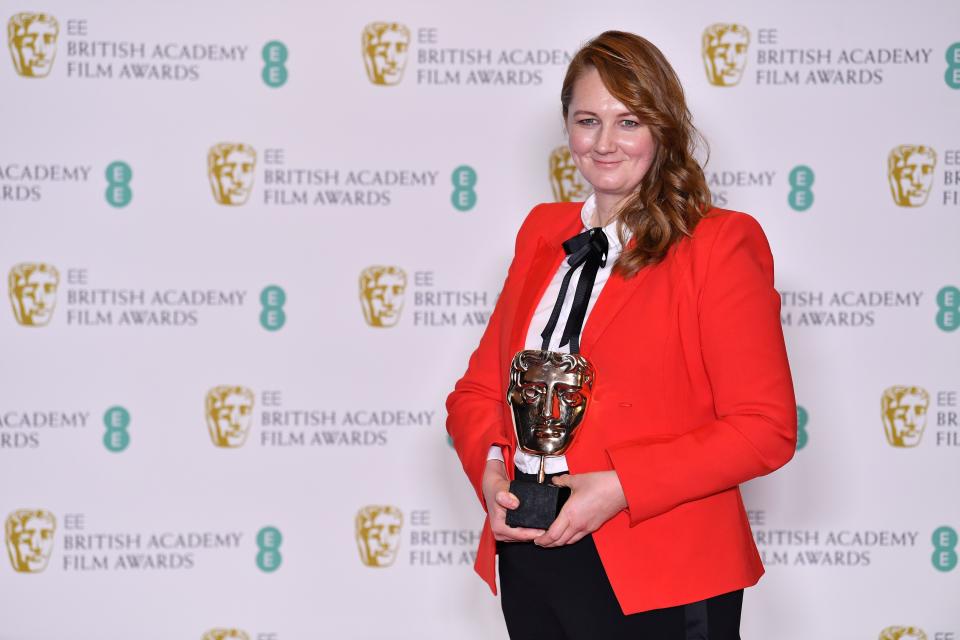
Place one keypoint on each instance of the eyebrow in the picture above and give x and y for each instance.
(584, 112)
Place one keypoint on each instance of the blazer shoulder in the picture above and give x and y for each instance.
(723, 232)
(548, 219)
(725, 222)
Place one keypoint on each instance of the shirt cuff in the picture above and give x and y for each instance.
(495, 453)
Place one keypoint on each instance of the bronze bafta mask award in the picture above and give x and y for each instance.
(549, 391)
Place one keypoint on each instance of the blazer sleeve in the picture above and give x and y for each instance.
(475, 408)
(745, 359)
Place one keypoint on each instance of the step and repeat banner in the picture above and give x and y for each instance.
(249, 247)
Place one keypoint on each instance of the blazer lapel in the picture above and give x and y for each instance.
(615, 294)
(546, 260)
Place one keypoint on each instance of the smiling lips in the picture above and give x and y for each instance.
(606, 164)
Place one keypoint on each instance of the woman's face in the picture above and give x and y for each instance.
(609, 145)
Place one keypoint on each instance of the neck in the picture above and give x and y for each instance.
(606, 209)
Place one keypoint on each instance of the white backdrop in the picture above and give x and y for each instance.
(141, 293)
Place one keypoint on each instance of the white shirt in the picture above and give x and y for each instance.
(557, 464)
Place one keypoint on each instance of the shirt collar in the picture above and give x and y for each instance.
(589, 206)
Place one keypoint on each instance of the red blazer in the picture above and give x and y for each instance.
(693, 397)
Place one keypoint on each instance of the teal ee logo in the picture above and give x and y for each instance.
(118, 193)
(801, 181)
(274, 72)
(948, 312)
(268, 543)
(945, 548)
(952, 75)
(272, 317)
(116, 419)
(464, 179)
(802, 436)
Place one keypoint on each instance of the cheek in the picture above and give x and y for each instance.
(581, 142)
(640, 146)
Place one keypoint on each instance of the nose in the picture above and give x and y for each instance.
(548, 408)
(606, 142)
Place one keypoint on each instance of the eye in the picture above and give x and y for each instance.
(587, 122)
(630, 124)
(531, 393)
(572, 398)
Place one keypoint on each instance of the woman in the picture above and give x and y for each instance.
(692, 396)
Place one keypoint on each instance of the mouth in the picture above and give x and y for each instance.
(549, 431)
(607, 164)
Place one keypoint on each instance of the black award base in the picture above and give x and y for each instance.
(539, 504)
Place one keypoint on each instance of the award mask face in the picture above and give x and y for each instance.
(548, 394)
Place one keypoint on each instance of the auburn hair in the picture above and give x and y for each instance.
(673, 195)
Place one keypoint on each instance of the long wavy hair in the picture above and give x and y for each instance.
(673, 195)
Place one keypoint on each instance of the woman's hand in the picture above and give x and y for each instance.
(496, 493)
(594, 499)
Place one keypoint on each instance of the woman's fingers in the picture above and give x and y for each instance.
(520, 534)
(507, 500)
(556, 531)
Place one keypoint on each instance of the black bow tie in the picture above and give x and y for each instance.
(588, 249)
(582, 245)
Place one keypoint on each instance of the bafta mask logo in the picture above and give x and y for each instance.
(229, 414)
(565, 180)
(30, 539)
(904, 415)
(903, 633)
(910, 170)
(378, 534)
(548, 394)
(225, 634)
(230, 168)
(381, 295)
(385, 46)
(32, 38)
(724, 53)
(33, 292)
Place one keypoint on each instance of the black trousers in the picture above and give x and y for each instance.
(563, 593)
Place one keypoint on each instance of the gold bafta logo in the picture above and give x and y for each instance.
(229, 414)
(381, 295)
(378, 534)
(565, 179)
(32, 38)
(903, 633)
(904, 415)
(33, 292)
(225, 634)
(385, 46)
(29, 534)
(910, 170)
(724, 52)
(230, 169)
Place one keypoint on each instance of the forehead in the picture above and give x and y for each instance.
(39, 26)
(917, 157)
(591, 94)
(911, 399)
(233, 398)
(36, 522)
(237, 155)
(391, 35)
(546, 372)
(732, 36)
(383, 519)
(39, 276)
(386, 278)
